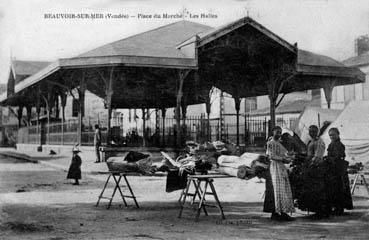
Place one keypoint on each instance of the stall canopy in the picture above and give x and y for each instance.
(176, 65)
(313, 116)
(354, 131)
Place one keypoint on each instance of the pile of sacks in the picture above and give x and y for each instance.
(133, 162)
(247, 166)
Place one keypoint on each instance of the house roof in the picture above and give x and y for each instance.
(356, 61)
(159, 42)
(288, 107)
(308, 58)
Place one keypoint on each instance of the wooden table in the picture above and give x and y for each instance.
(201, 192)
(117, 176)
(362, 175)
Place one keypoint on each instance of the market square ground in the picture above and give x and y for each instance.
(37, 202)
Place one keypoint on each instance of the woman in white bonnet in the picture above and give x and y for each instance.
(74, 171)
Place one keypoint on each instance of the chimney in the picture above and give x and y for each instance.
(362, 44)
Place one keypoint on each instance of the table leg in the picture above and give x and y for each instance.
(182, 194)
(202, 201)
(198, 190)
(115, 189)
(102, 192)
(216, 198)
(184, 198)
(354, 184)
(130, 189)
(365, 183)
(117, 182)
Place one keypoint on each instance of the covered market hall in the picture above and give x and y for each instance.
(172, 66)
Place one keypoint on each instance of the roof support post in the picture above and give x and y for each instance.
(143, 127)
(38, 110)
(81, 105)
(29, 114)
(184, 113)
(272, 101)
(163, 111)
(328, 89)
(182, 75)
(19, 115)
(237, 102)
(208, 110)
(109, 96)
(63, 101)
(48, 110)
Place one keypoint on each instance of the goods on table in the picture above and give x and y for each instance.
(247, 166)
(134, 162)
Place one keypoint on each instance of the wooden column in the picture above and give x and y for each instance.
(48, 110)
(143, 127)
(272, 101)
(63, 101)
(38, 110)
(29, 114)
(109, 96)
(20, 115)
(237, 102)
(56, 104)
(81, 104)
(163, 111)
(208, 109)
(184, 113)
(328, 89)
(182, 75)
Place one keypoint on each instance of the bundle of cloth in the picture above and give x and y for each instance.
(132, 162)
(247, 166)
(179, 169)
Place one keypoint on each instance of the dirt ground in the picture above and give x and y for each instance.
(37, 202)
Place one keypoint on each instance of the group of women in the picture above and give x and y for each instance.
(313, 182)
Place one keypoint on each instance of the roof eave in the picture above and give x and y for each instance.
(331, 71)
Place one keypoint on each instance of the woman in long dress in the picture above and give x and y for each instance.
(283, 201)
(339, 195)
(74, 171)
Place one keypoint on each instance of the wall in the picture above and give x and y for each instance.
(342, 95)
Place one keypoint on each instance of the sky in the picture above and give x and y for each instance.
(327, 27)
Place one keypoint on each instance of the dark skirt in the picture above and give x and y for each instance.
(269, 205)
(340, 193)
(314, 195)
(74, 172)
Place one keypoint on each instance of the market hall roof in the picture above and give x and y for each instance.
(160, 42)
(22, 69)
(179, 45)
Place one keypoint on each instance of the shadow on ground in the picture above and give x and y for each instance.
(158, 220)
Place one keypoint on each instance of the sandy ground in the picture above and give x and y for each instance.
(37, 202)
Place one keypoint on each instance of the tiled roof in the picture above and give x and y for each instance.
(27, 67)
(159, 42)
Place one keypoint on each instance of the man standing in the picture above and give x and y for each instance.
(97, 142)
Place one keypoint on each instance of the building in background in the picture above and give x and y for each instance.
(342, 95)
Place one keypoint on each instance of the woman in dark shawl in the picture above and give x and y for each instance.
(339, 194)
